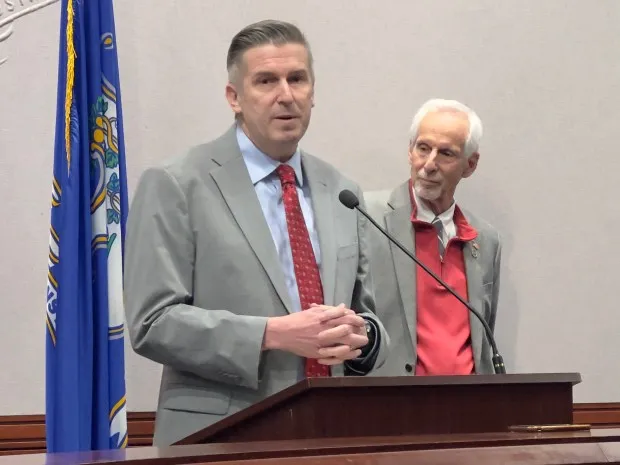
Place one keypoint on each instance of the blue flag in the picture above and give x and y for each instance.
(85, 368)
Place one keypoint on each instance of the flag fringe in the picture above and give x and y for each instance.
(70, 80)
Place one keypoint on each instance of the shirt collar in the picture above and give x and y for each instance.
(453, 215)
(425, 214)
(261, 165)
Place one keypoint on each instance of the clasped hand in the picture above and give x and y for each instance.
(329, 334)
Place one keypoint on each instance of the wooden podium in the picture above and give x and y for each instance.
(378, 407)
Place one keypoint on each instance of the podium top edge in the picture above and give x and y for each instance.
(376, 381)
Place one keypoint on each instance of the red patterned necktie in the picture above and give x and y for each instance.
(304, 262)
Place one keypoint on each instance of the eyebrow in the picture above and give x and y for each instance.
(263, 74)
(451, 147)
(296, 72)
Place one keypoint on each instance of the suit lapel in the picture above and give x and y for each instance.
(233, 180)
(398, 223)
(474, 288)
(323, 208)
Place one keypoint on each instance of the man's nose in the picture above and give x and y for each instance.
(285, 95)
(431, 161)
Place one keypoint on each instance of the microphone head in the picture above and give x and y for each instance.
(348, 199)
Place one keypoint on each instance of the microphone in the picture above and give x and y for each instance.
(350, 200)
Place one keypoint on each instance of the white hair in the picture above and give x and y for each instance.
(472, 143)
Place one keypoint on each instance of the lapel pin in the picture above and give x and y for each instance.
(474, 249)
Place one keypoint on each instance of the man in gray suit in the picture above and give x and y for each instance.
(431, 332)
(243, 273)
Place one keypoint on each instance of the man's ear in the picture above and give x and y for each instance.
(472, 164)
(410, 152)
(233, 98)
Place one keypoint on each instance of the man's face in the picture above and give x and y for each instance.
(273, 96)
(437, 157)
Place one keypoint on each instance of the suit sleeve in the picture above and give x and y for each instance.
(162, 323)
(496, 281)
(363, 302)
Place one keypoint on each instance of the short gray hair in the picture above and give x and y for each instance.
(265, 32)
(472, 144)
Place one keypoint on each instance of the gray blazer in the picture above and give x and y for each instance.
(395, 281)
(202, 277)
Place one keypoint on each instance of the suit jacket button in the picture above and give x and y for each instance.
(408, 368)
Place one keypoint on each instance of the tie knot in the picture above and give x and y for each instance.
(286, 174)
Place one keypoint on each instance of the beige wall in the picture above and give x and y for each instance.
(543, 75)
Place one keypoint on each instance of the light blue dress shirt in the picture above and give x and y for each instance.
(269, 191)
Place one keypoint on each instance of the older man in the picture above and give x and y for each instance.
(244, 274)
(431, 332)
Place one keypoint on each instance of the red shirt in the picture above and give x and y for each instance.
(443, 331)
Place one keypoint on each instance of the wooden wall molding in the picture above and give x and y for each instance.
(24, 434)
(601, 415)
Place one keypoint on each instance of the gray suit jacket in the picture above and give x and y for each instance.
(395, 281)
(202, 277)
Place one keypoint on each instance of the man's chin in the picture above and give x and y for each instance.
(427, 194)
(292, 135)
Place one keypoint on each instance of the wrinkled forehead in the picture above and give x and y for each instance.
(276, 59)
